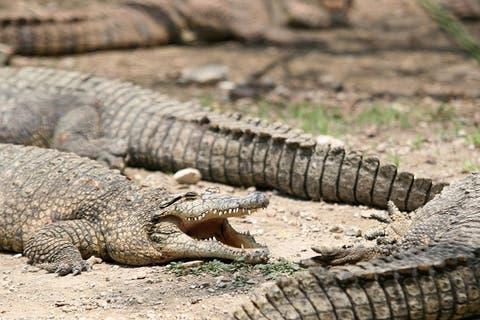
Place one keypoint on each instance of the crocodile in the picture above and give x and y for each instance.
(431, 273)
(89, 115)
(59, 208)
(144, 23)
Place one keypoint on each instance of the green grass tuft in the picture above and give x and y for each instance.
(215, 268)
(277, 269)
(395, 159)
(418, 142)
(383, 116)
(470, 166)
(474, 138)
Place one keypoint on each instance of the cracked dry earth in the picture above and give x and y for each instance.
(435, 92)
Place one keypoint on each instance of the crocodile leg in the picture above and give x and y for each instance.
(78, 131)
(60, 247)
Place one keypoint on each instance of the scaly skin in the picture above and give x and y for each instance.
(142, 23)
(463, 9)
(433, 273)
(157, 132)
(59, 209)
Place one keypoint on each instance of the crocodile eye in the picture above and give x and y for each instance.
(170, 201)
(190, 194)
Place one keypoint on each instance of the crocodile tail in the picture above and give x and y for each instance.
(434, 283)
(242, 151)
(116, 28)
(35, 18)
(250, 152)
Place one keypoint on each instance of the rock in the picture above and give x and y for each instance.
(253, 89)
(191, 264)
(366, 215)
(206, 74)
(381, 216)
(336, 229)
(226, 85)
(353, 232)
(195, 300)
(188, 176)
(141, 276)
(374, 233)
(6, 53)
(334, 142)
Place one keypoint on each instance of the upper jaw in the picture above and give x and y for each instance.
(214, 206)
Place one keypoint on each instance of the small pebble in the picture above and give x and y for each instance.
(206, 74)
(191, 264)
(188, 176)
(381, 216)
(353, 232)
(374, 233)
(336, 229)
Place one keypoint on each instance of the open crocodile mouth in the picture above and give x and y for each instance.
(214, 226)
(196, 226)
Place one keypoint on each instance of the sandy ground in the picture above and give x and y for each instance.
(394, 59)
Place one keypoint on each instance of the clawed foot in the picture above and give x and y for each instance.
(65, 267)
(340, 255)
(257, 256)
(114, 154)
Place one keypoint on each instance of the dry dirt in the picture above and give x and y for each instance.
(393, 57)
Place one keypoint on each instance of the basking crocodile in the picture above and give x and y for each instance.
(59, 209)
(433, 273)
(142, 23)
(96, 117)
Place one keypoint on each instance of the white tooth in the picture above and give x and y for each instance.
(243, 246)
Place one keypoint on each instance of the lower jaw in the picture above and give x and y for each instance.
(226, 235)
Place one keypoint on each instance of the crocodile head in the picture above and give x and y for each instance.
(193, 225)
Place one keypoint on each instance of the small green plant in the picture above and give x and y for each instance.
(394, 158)
(383, 116)
(310, 117)
(316, 118)
(206, 101)
(470, 166)
(239, 281)
(474, 138)
(443, 113)
(418, 142)
(278, 268)
(213, 267)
